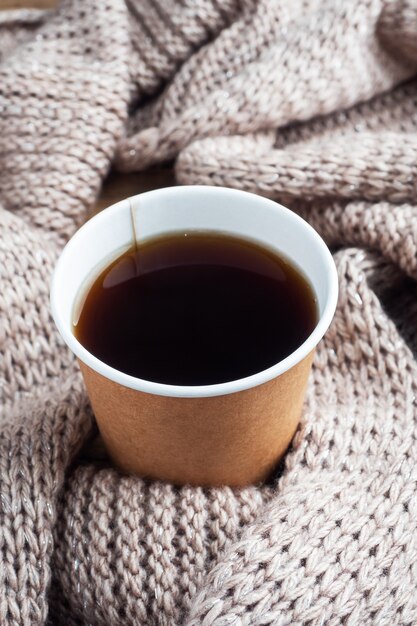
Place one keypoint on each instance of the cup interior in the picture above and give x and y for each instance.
(184, 209)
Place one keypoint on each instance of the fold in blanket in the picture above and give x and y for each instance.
(312, 103)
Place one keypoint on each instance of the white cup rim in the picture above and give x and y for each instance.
(200, 391)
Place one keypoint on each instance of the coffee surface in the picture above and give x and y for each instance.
(196, 309)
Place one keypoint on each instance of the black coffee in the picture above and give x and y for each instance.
(196, 309)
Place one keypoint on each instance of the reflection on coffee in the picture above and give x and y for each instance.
(196, 309)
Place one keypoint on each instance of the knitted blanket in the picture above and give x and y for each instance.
(312, 103)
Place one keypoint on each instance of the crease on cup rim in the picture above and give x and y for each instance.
(218, 389)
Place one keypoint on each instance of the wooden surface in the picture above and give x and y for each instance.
(116, 186)
(27, 4)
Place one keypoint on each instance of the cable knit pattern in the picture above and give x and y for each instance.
(312, 103)
(330, 57)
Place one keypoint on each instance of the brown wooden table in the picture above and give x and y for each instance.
(27, 4)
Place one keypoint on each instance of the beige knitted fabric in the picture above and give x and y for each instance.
(311, 102)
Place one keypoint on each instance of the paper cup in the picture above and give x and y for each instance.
(231, 433)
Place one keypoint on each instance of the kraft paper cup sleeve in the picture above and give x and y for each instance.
(235, 439)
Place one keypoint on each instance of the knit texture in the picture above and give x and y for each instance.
(312, 103)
